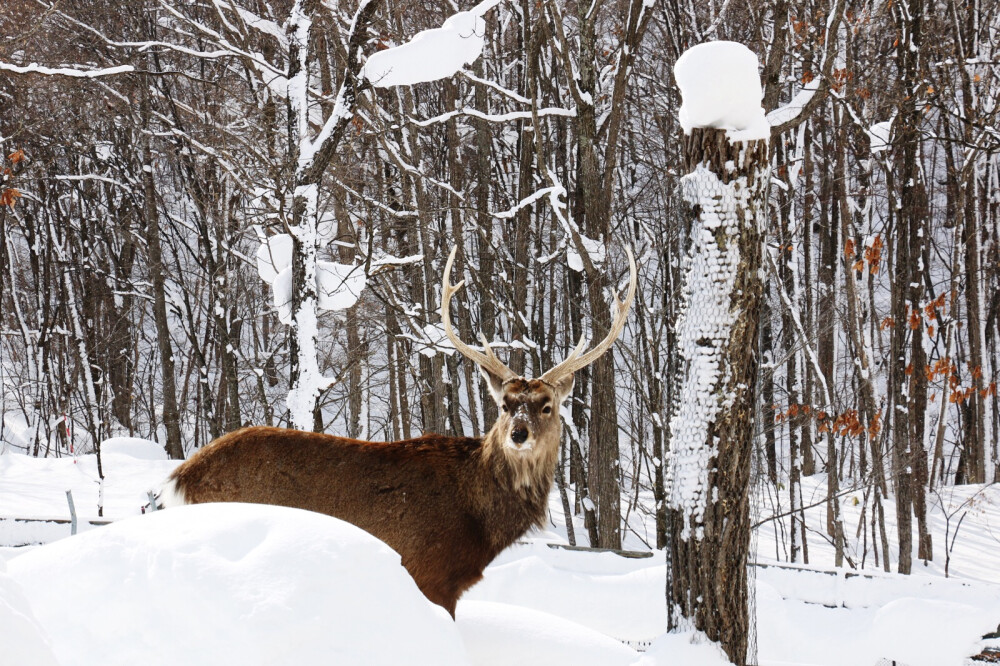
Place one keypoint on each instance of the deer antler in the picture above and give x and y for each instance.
(487, 361)
(575, 360)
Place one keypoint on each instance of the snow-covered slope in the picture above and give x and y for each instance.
(232, 584)
(253, 574)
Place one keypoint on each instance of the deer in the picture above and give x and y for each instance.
(447, 505)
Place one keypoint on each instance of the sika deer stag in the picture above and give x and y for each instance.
(447, 505)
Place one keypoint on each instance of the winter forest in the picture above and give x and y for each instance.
(222, 213)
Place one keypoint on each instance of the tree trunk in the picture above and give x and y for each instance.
(712, 423)
(157, 278)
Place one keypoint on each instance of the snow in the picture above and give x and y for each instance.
(250, 584)
(703, 332)
(498, 634)
(600, 597)
(35, 68)
(434, 341)
(688, 647)
(338, 285)
(433, 54)
(36, 487)
(879, 135)
(791, 110)
(133, 447)
(274, 256)
(595, 252)
(720, 87)
(22, 637)
(246, 578)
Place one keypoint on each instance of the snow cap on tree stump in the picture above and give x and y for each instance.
(720, 88)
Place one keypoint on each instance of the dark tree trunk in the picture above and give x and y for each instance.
(710, 538)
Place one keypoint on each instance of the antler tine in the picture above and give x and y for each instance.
(575, 360)
(488, 361)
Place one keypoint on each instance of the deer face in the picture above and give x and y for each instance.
(529, 412)
(529, 408)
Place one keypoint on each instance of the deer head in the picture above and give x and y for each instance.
(529, 424)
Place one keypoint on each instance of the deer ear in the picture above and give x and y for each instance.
(495, 384)
(563, 388)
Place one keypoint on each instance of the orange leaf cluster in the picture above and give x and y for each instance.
(873, 254)
(840, 77)
(16, 156)
(846, 424)
(793, 411)
(9, 197)
(961, 395)
(943, 367)
(931, 308)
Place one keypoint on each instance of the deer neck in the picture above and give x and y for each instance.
(526, 472)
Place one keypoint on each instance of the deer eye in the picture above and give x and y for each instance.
(505, 408)
(547, 410)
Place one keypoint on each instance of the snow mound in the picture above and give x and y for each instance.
(22, 638)
(690, 648)
(910, 631)
(501, 634)
(720, 87)
(133, 447)
(232, 583)
(623, 604)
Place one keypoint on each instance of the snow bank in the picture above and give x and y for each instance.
(620, 598)
(16, 434)
(690, 648)
(232, 583)
(500, 634)
(36, 487)
(720, 87)
(22, 637)
(816, 618)
(133, 447)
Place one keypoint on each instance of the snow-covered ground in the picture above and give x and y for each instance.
(264, 585)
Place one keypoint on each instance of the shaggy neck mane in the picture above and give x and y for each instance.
(527, 473)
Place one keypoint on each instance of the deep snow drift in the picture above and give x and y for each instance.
(232, 583)
(206, 572)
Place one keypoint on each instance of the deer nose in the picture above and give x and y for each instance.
(519, 435)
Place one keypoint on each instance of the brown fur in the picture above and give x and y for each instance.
(447, 505)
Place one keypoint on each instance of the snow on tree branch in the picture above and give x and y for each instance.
(35, 68)
(432, 54)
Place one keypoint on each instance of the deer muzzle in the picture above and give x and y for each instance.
(520, 435)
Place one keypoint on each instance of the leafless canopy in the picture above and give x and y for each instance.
(577, 358)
